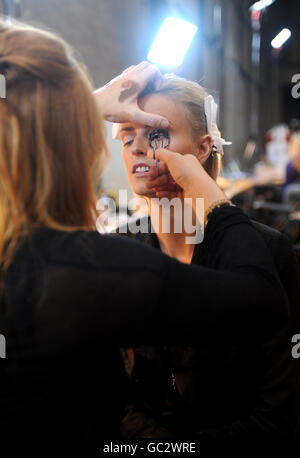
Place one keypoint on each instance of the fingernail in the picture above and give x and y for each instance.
(164, 124)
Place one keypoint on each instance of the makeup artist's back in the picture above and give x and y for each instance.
(217, 390)
(66, 298)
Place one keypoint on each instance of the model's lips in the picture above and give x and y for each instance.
(140, 168)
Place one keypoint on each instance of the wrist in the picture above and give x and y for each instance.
(101, 99)
(217, 204)
(207, 188)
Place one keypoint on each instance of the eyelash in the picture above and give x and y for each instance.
(128, 143)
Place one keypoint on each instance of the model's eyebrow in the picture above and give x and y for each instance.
(127, 129)
(131, 128)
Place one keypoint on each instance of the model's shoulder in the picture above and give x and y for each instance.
(269, 234)
(279, 245)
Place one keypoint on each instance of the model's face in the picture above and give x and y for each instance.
(135, 141)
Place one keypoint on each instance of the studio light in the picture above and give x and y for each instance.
(257, 6)
(172, 42)
(281, 38)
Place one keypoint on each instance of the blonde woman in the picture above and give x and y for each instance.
(217, 390)
(70, 296)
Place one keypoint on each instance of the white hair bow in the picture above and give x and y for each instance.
(210, 108)
(115, 130)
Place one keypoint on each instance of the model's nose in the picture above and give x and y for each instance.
(140, 145)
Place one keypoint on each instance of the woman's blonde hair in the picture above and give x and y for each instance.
(190, 95)
(52, 138)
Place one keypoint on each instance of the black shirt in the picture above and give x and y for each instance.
(71, 298)
(219, 389)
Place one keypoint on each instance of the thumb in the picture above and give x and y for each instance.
(149, 119)
(167, 156)
(175, 163)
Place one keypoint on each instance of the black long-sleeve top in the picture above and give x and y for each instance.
(71, 298)
(219, 389)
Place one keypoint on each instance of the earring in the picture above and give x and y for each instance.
(214, 150)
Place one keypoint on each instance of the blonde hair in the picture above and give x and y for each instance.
(52, 138)
(190, 95)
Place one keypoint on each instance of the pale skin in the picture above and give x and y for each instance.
(118, 98)
(194, 152)
(180, 172)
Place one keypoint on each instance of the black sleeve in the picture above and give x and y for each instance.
(275, 412)
(276, 408)
(132, 294)
(243, 298)
(70, 295)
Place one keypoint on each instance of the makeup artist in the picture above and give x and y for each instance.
(67, 291)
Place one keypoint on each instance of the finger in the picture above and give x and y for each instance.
(174, 187)
(163, 185)
(141, 117)
(167, 187)
(157, 81)
(148, 73)
(181, 167)
(137, 68)
(154, 171)
(168, 194)
(143, 64)
(154, 75)
(159, 181)
(167, 156)
(163, 194)
(173, 195)
(127, 69)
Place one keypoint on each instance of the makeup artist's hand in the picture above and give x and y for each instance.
(186, 173)
(118, 98)
(161, 182)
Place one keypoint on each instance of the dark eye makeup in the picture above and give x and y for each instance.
(158, 138)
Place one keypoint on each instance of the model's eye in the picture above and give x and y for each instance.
(159, 138)
(128, 143)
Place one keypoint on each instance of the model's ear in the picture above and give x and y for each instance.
(204, 147)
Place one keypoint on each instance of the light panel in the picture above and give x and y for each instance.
(262, 4)
(281, 38)
(172, 42)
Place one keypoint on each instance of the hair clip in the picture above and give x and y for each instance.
(115, 131)
(210, 108)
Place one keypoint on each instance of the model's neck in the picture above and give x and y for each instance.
(168, 224)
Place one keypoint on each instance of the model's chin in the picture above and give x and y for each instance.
(141, 190)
